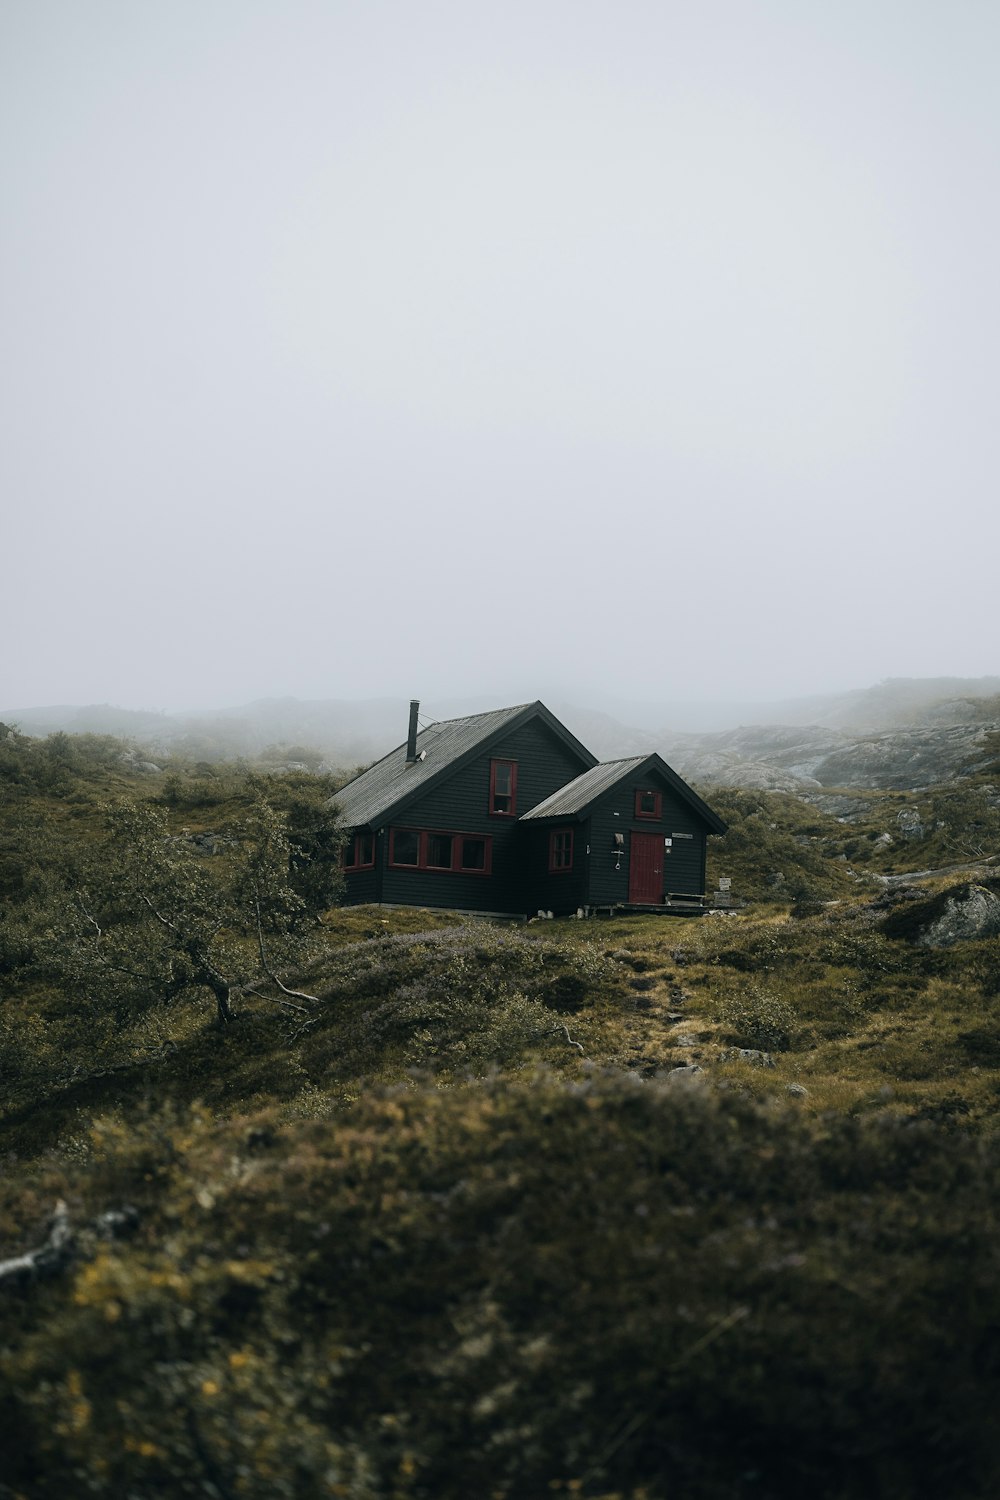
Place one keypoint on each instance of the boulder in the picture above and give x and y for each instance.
(687, 1074)
(970, 913)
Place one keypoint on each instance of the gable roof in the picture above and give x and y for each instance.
(579, 795)
(393, 782)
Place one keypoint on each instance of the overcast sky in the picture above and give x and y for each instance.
(566, 349)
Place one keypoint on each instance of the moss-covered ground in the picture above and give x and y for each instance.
(462, 1230)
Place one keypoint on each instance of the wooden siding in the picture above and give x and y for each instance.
(362, 886)
(559, 893)
(684, 866)
(461, 805)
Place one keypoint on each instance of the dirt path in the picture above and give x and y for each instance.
(661, 1032)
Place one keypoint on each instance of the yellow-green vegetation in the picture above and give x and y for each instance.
(623, 1208)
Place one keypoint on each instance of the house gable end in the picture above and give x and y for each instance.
(391, 799)
(586, 796)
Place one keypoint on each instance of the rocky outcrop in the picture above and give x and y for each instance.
(973, 913)
(965, 913)
(804, 761)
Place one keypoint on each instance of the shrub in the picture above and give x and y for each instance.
(461, 998)
(604, 1288)
(756, 1017)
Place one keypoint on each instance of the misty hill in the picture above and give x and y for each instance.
(893, 703)
(899, 733)
(788, 758)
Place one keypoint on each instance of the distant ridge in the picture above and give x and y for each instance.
(901, 732)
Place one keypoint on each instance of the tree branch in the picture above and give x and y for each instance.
(52, 1256)
(249, 989)
(165, 921)
(552, 1030)
(296, 994)
(89, 916)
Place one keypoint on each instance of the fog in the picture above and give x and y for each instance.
(633, 351)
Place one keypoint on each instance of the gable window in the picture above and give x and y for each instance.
(503, 788)
(359, 852)
(426, 849)
(648, 804)
(560, 851)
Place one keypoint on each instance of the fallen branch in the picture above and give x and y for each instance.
(553, 1030)
(249, 989)
(48, 1258)
(295, 994)
(64, 1244)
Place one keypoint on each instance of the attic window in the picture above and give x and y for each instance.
(503, 788)
(648, 804)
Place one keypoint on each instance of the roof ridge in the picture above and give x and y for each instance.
(484, 711)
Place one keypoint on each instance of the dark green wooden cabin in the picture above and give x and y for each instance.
(507, 812)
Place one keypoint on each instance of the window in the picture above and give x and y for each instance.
(359, 852)
(404, 846)
(560, 851)
(458, 853)
(440, 848)
(474, 851)
(648, 804)
(503, 788)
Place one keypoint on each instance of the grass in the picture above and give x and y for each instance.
(462, 1230)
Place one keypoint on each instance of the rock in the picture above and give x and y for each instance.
(884, 840)
(684, 1039)
(971, 913)
(807, 760)
(797, 1090)
(685, 1074)
(750, 1055)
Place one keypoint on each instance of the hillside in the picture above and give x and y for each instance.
(500, 1210)
(902, 733)
(786, 758)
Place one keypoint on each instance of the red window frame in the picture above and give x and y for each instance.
(354, 852)
(457, 867)
(560, 851)
(657, 797)
(503, 812)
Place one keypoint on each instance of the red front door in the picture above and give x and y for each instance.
(645, 869)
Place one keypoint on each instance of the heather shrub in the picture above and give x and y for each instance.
(599, 1288)
(756, 1017)
(456, 999)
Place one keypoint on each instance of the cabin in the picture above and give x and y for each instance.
(506, 813)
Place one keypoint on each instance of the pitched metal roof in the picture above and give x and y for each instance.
(393, 781)
(578, 795)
